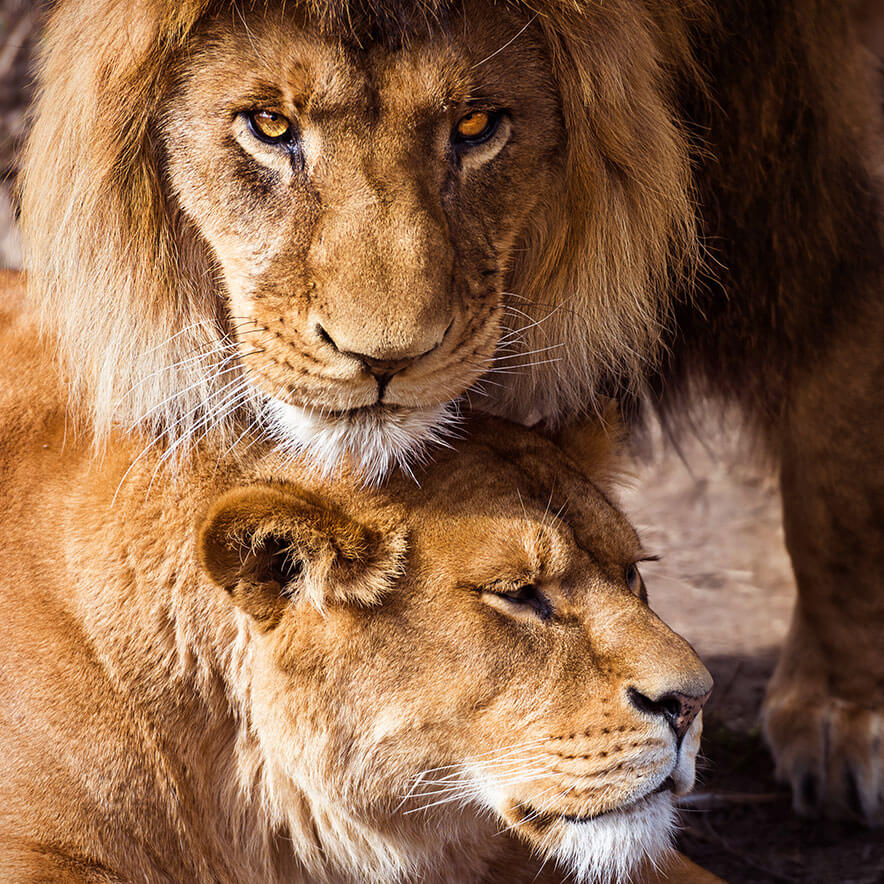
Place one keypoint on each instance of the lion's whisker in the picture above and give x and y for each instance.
(513, 369)
(199, 323)
(189, 359)
(203, 426)
(534, 352)
(178, 393)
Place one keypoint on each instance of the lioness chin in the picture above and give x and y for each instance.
(255, 675)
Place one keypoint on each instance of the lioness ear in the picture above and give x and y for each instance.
(267, 546)
(595, 444)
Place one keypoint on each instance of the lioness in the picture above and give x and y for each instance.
(333, 219)
(256, 676)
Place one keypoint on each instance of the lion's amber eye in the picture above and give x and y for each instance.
(476, 127)
(473, 125)
(270, 127)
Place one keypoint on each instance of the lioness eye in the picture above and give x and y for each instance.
(269, 127)
(529, 596)
(476, 127)
(635, 583)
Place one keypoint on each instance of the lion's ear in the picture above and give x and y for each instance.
(268, 546)
(595, 444)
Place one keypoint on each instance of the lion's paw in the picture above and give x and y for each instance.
(830, 751)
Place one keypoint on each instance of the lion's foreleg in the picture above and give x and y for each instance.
(824, 711)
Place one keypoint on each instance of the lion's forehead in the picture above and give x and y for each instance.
(325, 75)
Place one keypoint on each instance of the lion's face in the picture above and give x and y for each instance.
(329, 218)
(487, 649)
(363, 205)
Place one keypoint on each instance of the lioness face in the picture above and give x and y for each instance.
(482, 647)
(363, 203)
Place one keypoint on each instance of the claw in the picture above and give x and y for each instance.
(829, 751)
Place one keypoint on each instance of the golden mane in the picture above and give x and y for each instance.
(132, 293)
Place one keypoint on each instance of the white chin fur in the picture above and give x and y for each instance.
(609, 849)
(373, 441)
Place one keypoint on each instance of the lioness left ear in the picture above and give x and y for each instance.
(595, 445)
(267, 545)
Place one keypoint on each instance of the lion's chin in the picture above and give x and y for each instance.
(610, 847)
(373, 440)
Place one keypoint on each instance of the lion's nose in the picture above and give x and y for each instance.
(382, 369)
(385, 367)
(678, 709)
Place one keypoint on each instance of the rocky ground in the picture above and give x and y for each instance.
(724, 581)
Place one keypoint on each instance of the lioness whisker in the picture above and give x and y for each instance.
(508, 768)
(473, 791)
(507, 760)
(512, 747)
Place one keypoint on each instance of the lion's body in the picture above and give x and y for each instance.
(790, 142)
(162, 720)
(674, 198)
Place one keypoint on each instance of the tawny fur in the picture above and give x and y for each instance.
(141, 306)
(246, 675)
(682, 197)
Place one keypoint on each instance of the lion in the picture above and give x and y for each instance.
(263, 675)
(336, 223)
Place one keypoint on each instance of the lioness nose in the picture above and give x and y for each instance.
(678, 709)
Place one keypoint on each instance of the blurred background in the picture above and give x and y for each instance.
(19, 23)
(724, 581)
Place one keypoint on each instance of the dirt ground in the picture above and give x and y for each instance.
(724, 581)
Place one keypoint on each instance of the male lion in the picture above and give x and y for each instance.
(334, 219)
(354, 686)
